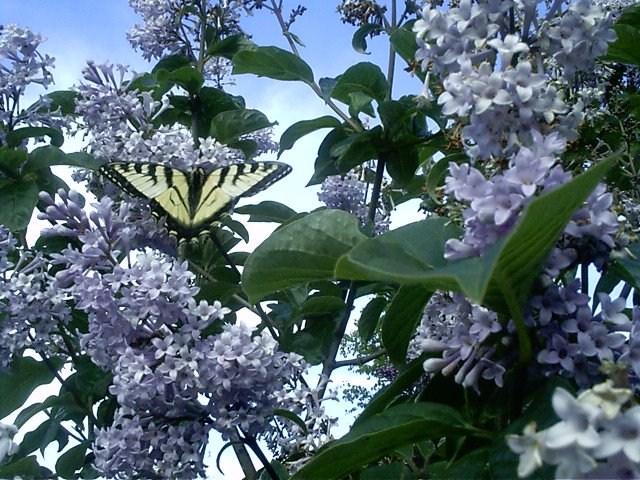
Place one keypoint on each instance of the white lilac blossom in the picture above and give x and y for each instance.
(22, 65)
(502, 82)
(7, 446)
(598, 436)
(348, 193)
(32, 304)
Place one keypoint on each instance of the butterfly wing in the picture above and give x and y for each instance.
(191, 202)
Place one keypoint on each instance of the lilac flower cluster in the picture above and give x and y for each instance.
(173, 382)
(171, 27)
(21, 65)
(498, 63)
(349, 193)
(598, 436)
(33, 306)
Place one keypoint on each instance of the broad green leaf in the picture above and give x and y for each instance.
(16, 137)
(407, 377)
(413, 254)
(267, 211)
(320, 305)
(327, 84)
(272, 62)
(401, 164)
(19, 199)
(401, 319)
(25, 374)
(364, 78)
(393, 471)
(72, 460)
(231, 45)
(325, 164)
(370, 316)
(380, 435)
(357, 149)
(171, 63)
(214, 101)
(186, 77)
(26, 467)
(11, 162)
(300, 252)
(404, 42)
(65, 100)
(61, 400)
(359, 40)
(473, 465)
(625, 48)
(299, 129)
(48, 156)
(232, 124)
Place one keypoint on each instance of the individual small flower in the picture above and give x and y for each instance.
(576, 425)
(7, 446)
(621, 434)
(529, 446)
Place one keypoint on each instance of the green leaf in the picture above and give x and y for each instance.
(414, 254)
(357, 149)
(381, 434)
(299, 129)
(359, 40)
(267, 211)
(401, 319)
(16, 137)
(19, 199)
(404, 43)
(393, 471)
(327, 85)
(186, 77)
(625, 48)
(65, 100)
(300, 252)
(473, 465)
(321, 305)
(231, 125)
(71, 460)
(48, 156)
(370, 316)
(25, 374)
(364, 77)
(231, 45)
(402, 164)
(171, 63)
(407, 377)
(325, 164)
(272, 62)
(26, 467)
(11, 161)
(278, 412)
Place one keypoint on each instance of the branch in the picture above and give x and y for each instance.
(360, 360)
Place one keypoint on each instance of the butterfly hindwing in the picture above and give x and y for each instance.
(192, 201)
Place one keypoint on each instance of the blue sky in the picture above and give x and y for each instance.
(80, 30)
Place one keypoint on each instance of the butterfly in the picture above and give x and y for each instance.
(192, 201)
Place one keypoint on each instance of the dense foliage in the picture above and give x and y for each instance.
(504, 324)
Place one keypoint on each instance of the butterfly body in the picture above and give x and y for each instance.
(192, 201)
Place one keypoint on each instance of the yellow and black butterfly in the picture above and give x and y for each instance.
(193, 200)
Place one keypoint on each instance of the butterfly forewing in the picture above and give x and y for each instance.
(192, 201)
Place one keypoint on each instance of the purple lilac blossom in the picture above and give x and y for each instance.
(505, 81)
(172, 383)
(21, 66)
(348, 193)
